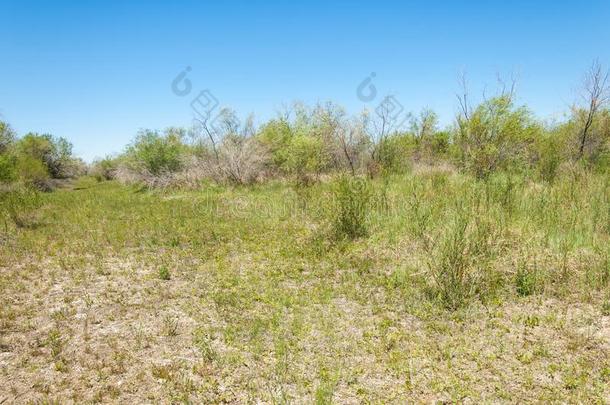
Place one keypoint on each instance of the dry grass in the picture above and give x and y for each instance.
(263, 305)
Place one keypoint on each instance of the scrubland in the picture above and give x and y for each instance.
(319, 257)
(457, 289)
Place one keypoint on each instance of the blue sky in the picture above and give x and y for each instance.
(97, 71)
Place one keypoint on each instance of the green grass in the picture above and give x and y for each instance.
(447, 289)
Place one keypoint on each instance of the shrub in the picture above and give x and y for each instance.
(18, 204)
(156, 154)
(54, 153)
(7, 137)
(33, 172)
(459, 259)
(549, 153)
(394, 153)
(164, 273)
(352, 196)
(495, 136)
(104, 169)
(241, 160)
(276, 136)
(8, 172)
(526, 281)
(306, 157)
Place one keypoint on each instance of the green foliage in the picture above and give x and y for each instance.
(495, 137)
(305, 156)
(438, 144)
(7, 137)
(104, 169)
(203, 342)
(352, 197)
(395, 151)
(32, 171)
(276, 135)
(550, 152)
(18, 204)
(526, 281)
(156, 153)
(54, 153)
(164, 273)
(8, 172)
(459, 258)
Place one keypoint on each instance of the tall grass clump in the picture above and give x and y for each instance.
(18, 205)
(460, 258)
(352, 201)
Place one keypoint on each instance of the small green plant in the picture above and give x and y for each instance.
(352, 199)
(203, 342)
(164, 273)
(526, 281)
(55, 342)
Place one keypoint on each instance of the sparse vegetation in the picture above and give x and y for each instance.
(312, 260)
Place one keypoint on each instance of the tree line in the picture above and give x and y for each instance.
(306, 143)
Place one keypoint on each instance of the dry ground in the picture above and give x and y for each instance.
(126, 296)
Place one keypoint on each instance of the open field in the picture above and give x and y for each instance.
(457, 290)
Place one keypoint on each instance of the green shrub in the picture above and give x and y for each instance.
(104, 169)
(305, 157)
(33, 172)
(156, 153)
(495, 136)
(526, 281)
(8, 172)
(352, 197)
(459, 260)
(164, 273)
(7, 137)
(276, 136)
(19, 205)
(54, 153)
(394, 153)
(549, 152)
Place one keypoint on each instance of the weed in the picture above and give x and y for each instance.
(164, 273)
(526, 281)
(203, 342)
(352, 197)
(170, 326)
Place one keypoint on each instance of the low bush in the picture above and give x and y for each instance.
(352, 197)
(19, 205)
(459, 259)
(104, 169)
(154, 153)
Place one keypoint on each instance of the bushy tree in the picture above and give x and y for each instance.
(7, 137)
(276, 135)
(104, 169)
(156, 153)
(54, 153)
(305, 157)
(495, 136)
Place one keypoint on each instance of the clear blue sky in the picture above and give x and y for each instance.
(97, 71)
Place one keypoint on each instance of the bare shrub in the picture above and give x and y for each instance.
(232, 153)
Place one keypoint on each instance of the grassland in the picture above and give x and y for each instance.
(457, 290)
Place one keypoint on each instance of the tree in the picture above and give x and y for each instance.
(7, 137)
(156, 153)
(494, 135)
(424, 126)
(54, 153)
(596, 94)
